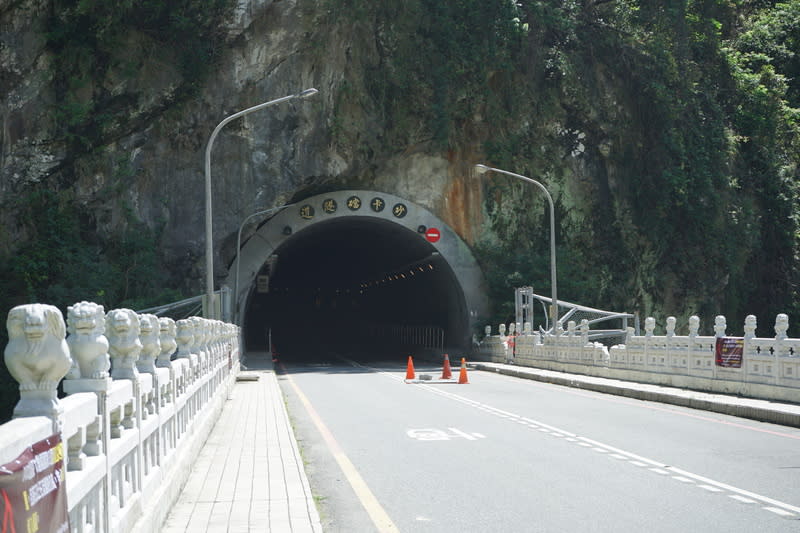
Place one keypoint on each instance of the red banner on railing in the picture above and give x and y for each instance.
(33, 497)
(729, 352)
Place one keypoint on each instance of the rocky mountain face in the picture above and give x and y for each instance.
(668, 198)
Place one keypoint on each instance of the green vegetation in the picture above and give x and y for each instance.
(436, 59)
(63, 263)
(103, 74)
(102, 47)
(689, 121)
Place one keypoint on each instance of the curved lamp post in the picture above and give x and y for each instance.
(482, 169)
(209, 234)
(239, 256)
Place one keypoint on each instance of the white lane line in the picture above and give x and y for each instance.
(660, 471)
(709, 488)
(637, 460)
(683, 479)
(618, 456)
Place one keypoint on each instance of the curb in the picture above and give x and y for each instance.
(761, 410)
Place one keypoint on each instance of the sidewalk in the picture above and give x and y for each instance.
(249, 475)
(763, 410)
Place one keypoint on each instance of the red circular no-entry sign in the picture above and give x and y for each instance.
(433, 235)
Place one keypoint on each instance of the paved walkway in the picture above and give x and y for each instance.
(249, 475)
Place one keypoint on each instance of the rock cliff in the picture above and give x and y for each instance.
(110, 112)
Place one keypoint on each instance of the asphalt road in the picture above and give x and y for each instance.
(505, 454)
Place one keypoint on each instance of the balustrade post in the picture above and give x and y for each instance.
(670, 346)
(86, 324)
(694, 328)
(781, 333)
(750, 325)
(123, 328)
(720, 327)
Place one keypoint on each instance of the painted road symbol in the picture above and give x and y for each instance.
(440, 434)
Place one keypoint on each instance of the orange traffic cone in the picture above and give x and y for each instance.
(462, 376)
(410, 369)
(447, 373)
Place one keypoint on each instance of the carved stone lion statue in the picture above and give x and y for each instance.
(184, 338)
(167, 333)
(151, 344)
(781, 326)
(37, 356)
(86, 324)
(122, 330)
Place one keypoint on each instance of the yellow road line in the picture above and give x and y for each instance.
(376, 512)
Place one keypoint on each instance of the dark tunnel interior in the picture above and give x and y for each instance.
(344, 286)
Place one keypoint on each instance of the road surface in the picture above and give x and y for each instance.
(505, 454)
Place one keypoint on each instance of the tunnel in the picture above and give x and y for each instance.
(322, 278)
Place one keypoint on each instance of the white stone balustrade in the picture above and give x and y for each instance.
(770, 367)
(143, 394)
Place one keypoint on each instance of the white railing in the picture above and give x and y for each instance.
(143, 394)
(769, 367)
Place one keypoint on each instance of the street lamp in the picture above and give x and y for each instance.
(482, 169)
(209, 235)
(239, 256)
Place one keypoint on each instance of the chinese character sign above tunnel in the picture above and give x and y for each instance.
(32, 495)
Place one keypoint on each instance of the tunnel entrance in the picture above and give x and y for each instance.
(356, 272)
(337, 285)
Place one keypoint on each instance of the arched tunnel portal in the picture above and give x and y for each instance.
(356, 272)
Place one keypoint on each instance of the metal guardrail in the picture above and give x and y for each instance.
(222, 298)
(524, 298)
